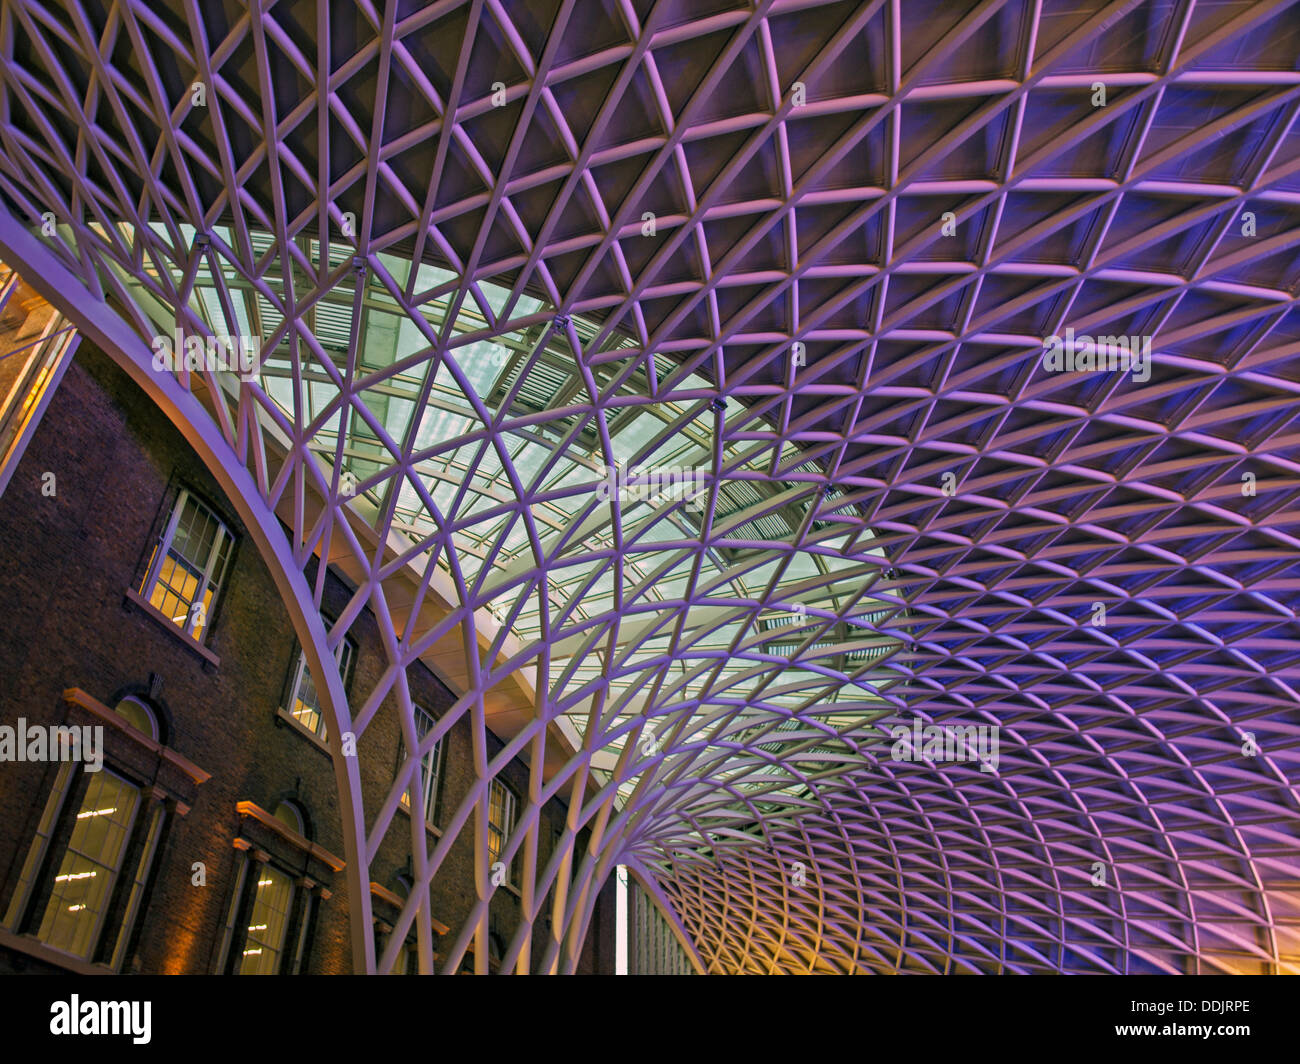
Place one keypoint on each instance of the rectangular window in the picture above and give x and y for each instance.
(304, 703)
(37, 344)
(431, 767)
(264, 941)
(501, 822)
(187, 566)
(83, 885)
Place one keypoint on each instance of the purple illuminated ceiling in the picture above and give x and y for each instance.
(858, 223)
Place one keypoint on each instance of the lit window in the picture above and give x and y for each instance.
(264, 941)
(431, 767)
(304, 703)
(501, 821)
(269, 925)
(39, 345)
(84, 882)
(187, 566)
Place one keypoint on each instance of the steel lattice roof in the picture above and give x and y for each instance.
(810, 252)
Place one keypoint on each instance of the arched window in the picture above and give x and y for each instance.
(138, 715)
(83, 881)
(271, 917)
(288, 813)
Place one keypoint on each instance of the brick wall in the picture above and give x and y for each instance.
(67, 564)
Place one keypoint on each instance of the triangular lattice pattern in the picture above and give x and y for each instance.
(808, 255)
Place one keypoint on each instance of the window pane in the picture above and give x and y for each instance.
(430, 767)
(304, 703)
(197, 532)
(190, 561)
(501, 813)
(84, 881)
(266, 927)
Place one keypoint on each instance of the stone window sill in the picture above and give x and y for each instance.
(35, 948)
(432, 829)
(137, 601)
(285, 718)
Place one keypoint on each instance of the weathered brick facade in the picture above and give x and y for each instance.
(65, 623)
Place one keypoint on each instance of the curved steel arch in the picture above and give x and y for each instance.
(495, 249)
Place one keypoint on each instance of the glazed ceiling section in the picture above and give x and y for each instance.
(442, 400)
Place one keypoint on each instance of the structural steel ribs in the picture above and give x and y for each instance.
(808, 253)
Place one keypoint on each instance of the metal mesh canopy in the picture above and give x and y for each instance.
(670, 378)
